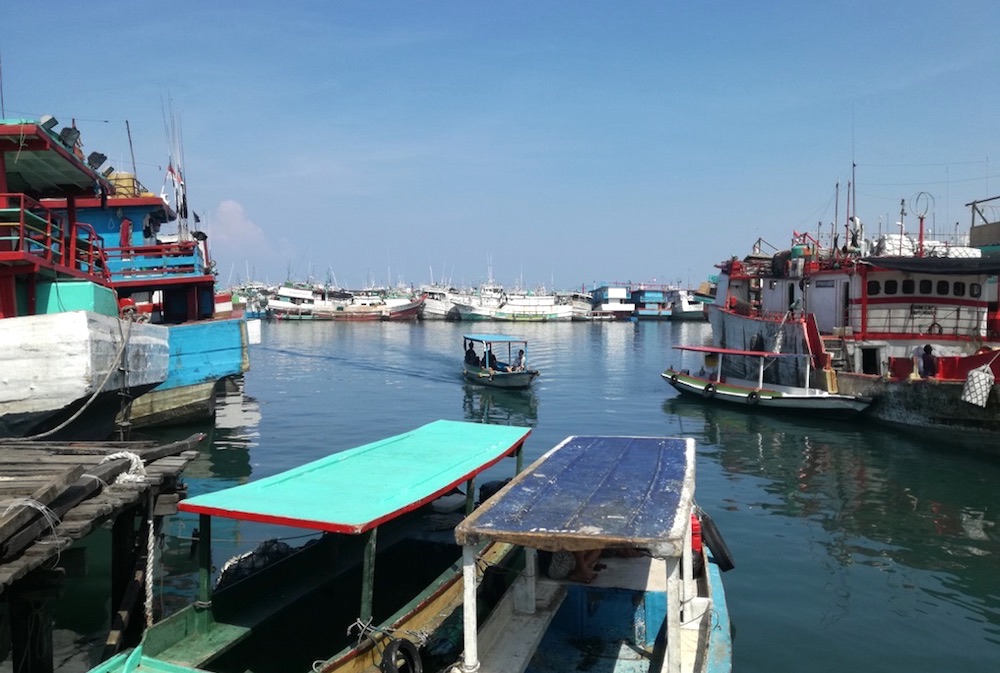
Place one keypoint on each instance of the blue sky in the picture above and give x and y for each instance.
(558, 143)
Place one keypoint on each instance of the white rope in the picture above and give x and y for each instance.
(136, 472)
(47, 514)
(50, 517)
(149, 568)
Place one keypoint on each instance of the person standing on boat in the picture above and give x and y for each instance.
(928, 363)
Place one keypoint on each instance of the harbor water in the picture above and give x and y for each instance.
(857, 547)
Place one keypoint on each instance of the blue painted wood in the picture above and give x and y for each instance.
(595, 493)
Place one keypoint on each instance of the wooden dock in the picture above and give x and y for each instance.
(55, 493)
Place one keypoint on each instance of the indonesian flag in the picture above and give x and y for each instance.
(175, 175)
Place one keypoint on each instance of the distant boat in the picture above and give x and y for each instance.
(70, 359)
(438, 304)
(752, 394)
(650, 301)
(368, 306)
(657, 602)
(611, 302)
(377, 588)
(684, 306)
(491, 360)
(581, 304)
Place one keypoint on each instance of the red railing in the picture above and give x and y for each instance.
(32, 234)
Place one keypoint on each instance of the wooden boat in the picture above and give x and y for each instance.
(70, 359)
(661, 610)
(752, 394)
(382, 585)
(495, 360)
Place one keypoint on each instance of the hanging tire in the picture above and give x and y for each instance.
(673, 377)
(401, 656)
(709, 391)
(753, 398)
(713, 538)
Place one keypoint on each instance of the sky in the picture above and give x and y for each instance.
(555, 144)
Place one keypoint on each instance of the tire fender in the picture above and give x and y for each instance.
(713, 538)
(400, 656)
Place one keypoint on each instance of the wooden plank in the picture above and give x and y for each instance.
(43, 496)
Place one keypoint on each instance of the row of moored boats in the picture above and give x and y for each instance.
(489, 301)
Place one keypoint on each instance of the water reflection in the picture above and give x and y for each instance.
(862, 497)
(499, 407)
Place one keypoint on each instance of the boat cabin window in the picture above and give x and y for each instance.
(958, 288)
(942, 287)
(874, 288)
(891, 287)
(925, 286)
(975, 290)
(909, 286)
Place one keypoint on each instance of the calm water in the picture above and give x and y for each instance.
(856, 547)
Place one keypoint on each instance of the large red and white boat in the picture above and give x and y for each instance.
(866, 312)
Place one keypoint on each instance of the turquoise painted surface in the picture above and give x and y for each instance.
(74, 295)
(355, 488)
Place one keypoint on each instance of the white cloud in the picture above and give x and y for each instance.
(240, 247)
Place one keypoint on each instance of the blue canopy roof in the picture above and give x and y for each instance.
(595, 493)
(495, 338)
(355, 490)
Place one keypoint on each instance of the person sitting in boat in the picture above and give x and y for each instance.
(519, 363)
(489, 360)
(471, 357)
(577, 566)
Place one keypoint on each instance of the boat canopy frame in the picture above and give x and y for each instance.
(593, 493)
(761, 356)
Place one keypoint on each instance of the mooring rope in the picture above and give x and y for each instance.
(135, 473)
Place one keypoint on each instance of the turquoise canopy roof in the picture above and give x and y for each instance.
(495, 338)
(355, 490)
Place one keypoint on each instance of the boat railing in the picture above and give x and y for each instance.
(164, 260)
(28, 227)
(33, 234)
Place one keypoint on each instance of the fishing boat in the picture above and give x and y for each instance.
(611, 302)
(71, 360)
(866, 310)
(657, 605)
(369, 305)
(581, 304)
(438, 304)
(162, 270)
(755, 394)
(308, 302)
(650, 301)
(683, 304)
(483, 363)
(491, 301)
(380, 588)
